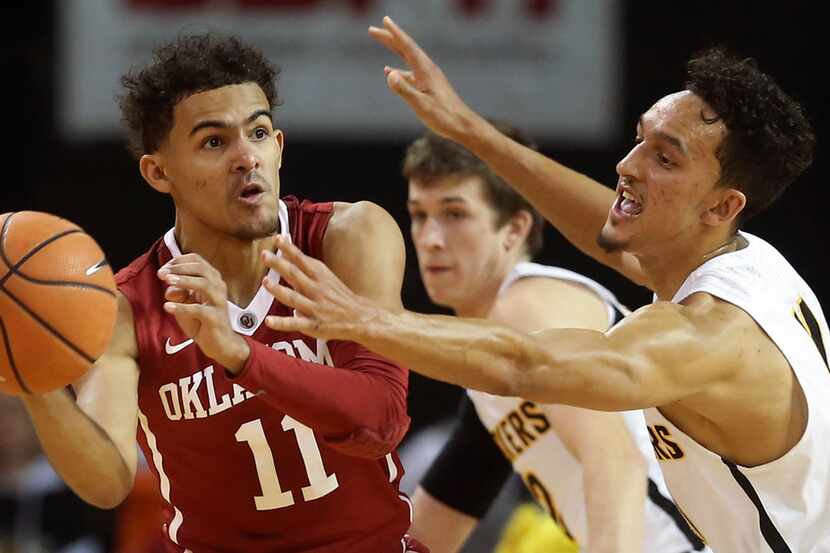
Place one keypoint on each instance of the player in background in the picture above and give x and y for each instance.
(729, 362)
(593, 472)
(255, 436)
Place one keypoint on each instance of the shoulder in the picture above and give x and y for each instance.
(364, 247)
(364, 229)
(702, 322)
(534, 303)
(359, 219)
(703, 309)
(129, 274)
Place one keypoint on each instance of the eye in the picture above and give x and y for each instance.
(261, 133)
(663, 160)
(417, 216)
(212, 142)
(454, 214)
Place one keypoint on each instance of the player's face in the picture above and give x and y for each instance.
(460, 251)
(222, 160)
(665, 179)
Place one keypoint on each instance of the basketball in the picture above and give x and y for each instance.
(57, 302)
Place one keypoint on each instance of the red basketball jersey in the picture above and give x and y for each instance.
(236, 474)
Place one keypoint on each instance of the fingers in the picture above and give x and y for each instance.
(398, 41)
(194, 268)
(295, 267)
(197, 288)
(409, 76)
(288, 296)
(292, 324)
(178, 295)
(406, 46)
(295, 256)
(386, 39)
(402, 83)
(189, 310)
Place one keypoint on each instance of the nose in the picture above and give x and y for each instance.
(627, 166)
(246, 157)
(430, 236)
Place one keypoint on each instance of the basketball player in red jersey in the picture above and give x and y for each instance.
(262, 441)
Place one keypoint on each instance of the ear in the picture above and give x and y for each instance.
(518, 227)
(153, 172)
(279, 137)
(729, 202)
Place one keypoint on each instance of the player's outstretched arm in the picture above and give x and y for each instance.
(660, 354)
(574, 203)
(91, 441)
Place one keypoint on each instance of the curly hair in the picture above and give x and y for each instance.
(180, 68)
(769, 141)
(431, 157)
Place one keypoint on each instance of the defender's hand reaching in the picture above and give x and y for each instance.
(324, 307)
(424, 86)
(197, 298)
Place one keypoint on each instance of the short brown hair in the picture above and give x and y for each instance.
(431, 157)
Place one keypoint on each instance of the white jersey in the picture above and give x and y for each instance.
(784, 505)
(553, 475)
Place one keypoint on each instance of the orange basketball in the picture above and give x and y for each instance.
(57, 302)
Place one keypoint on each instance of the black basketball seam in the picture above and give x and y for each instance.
(86, 285)
(15, 269)
(11, 358)
(47, 326)
(3, 240)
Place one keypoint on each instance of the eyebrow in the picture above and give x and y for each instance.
(447, 200)
(212, 123)
(666, 137)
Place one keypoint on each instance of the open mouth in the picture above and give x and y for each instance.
(250, 193)
(627, 204)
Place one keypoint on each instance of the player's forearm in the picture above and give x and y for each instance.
(358, 406)
(615, 496)
(473, 353)
(79, 450)
(569, 366)
(572, 202)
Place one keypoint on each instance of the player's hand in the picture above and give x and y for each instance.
(197, 298)
(423, 86)
(324, 307)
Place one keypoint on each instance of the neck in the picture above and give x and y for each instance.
(668, 270)
(481, 301)
(239, 261)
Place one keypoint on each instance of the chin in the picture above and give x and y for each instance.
(438, 298)
(258, 229)
(609, 241)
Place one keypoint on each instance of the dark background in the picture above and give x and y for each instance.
(97, 184)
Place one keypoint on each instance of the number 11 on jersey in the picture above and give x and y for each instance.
(273, 497)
